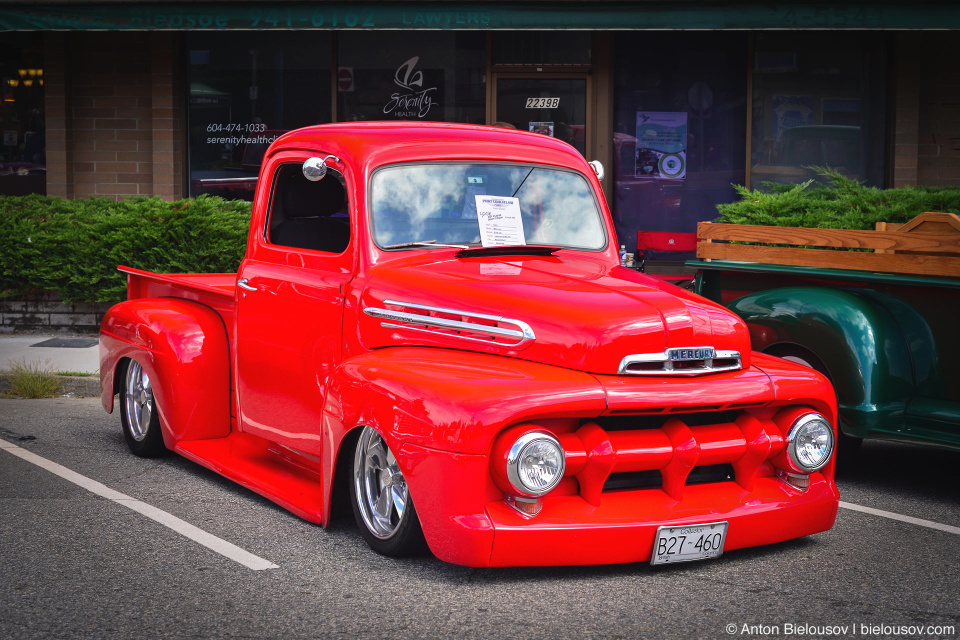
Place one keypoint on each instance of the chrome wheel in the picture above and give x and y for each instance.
(380, 491)
(138, 401)
(139, 412)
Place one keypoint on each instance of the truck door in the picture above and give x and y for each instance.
(290, 304)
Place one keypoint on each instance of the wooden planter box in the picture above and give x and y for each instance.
(927, 245)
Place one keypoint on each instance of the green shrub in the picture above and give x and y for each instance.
(74, 246)
(842, 204)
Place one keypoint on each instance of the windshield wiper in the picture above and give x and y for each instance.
(425, 243)
(508, 250)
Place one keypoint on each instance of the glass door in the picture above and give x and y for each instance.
(555, 106)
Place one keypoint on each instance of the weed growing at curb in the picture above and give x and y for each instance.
(33, 379)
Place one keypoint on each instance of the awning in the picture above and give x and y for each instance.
(678, 14)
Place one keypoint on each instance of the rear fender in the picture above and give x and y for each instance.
(858, 340)
(183, 347)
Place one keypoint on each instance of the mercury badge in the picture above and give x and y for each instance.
(691, 353)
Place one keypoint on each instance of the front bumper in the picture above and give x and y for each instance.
(623, 527)
(467, 521)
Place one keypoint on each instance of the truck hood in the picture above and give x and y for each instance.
(570, 311)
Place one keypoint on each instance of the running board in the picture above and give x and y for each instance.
(276, 473)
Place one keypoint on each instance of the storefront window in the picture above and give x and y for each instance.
(23, 161)
(680, 129)
(243, 93)
(540, 48)
(818, 101)
(397, 75)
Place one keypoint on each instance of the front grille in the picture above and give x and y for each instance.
(669, 451)
(711, 474)
(695, 361)
(636, 422)
(633, 480)
(707, 474)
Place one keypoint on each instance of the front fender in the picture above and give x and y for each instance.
(455, 400)
(422, 398)
(183, 347)
(858, 340)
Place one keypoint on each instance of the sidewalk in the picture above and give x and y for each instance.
(62, 354)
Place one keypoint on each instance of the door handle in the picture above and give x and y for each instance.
(242, 283)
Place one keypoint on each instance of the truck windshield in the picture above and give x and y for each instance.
(448, 203)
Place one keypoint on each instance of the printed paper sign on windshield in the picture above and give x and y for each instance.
(500, 221)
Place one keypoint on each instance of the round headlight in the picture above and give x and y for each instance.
(810, 442)
(535, 463)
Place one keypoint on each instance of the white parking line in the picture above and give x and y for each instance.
(170, 521)
(896, 516)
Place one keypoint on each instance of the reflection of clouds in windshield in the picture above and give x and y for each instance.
(413, 203)
(569, 211)
(513, 176)
(410, 195)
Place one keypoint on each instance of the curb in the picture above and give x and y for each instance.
(71, 386)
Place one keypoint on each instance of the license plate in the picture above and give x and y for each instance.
(689, 542)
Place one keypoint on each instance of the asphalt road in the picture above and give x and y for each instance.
(76, 565)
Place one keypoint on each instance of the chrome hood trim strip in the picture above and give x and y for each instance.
(521, 336)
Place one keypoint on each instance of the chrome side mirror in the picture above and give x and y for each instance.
(597, 168)
(315, 168)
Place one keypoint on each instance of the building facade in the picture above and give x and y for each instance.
(679, 100)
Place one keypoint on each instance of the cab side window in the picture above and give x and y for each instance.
(309, 215)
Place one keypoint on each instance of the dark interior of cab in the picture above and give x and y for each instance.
(309, 215)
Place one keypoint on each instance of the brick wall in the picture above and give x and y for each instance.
(167, 131)
(114, 124)
(45, 312)
(59, 168)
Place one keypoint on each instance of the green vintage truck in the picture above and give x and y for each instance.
(878, 312)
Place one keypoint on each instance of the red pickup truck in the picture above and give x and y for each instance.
(431, 321)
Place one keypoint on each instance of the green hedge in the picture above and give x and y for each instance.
(74, 246)
(840, 204)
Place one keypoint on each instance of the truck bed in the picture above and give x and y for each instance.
(214, 290)
(928, 245)
(146, 284)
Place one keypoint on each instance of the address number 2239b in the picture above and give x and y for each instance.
(543, 103)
